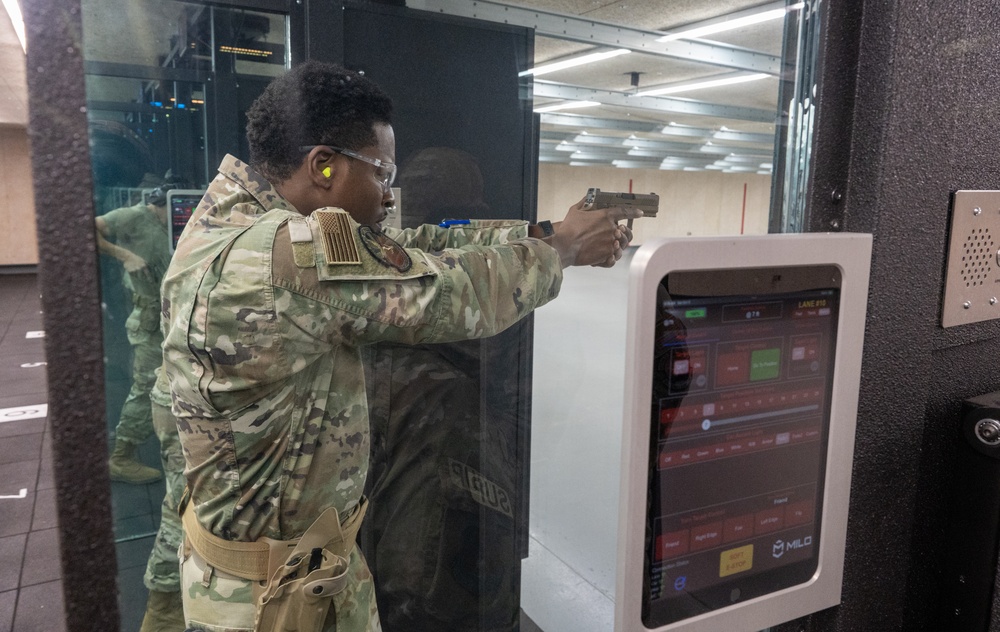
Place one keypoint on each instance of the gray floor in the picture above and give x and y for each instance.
(31, 596)
(30, 574)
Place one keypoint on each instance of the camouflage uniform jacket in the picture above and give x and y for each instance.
(263, 340)
(137, 229)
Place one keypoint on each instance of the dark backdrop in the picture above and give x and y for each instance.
(454, 83)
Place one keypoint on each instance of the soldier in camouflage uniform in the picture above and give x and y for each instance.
(280, 277)
(137, 236)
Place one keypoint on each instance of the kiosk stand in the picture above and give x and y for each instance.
(738, 438)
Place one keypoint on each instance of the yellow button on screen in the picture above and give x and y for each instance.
(736, 560)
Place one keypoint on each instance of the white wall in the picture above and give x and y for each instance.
(17, 199)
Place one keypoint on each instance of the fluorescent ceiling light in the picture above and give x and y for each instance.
(568, 105)
(699, 85)
(14, 12)
(570, 63)
(728, 23)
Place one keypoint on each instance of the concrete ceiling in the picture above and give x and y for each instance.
(13, 85)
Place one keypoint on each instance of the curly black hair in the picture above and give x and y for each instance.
(314, 103)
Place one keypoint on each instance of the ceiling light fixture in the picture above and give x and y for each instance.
(14, 11)
(570, 63)
(568, 105)
(733, 21)
(699, 85)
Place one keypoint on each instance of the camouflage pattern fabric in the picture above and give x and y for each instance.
(163, 567)
(223, 603)
(263, 336)
(440, 535)
(135, 423)
(138, 230)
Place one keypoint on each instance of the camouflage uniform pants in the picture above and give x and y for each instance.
(440, 532)
(135, 423)
(220, 602)
(163, 568)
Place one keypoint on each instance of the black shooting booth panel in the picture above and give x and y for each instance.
(739, 426)
(454, 83)
(973, 537)
(449, 470)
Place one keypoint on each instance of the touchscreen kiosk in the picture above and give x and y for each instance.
(741, 397)
(181, 203)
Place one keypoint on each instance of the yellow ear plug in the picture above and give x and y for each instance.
(326, 171)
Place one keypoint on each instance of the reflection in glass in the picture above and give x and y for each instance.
(137, 237)
(443, 481)
(149, 98)
(725, 160)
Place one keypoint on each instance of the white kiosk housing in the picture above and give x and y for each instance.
(738, 438)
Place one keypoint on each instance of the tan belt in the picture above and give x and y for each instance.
(256, 561)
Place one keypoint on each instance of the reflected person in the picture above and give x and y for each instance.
(281, 276)
(137, 237)
(440, 536)
(164, 610)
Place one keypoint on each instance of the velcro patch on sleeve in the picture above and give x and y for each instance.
(304, 255)
(301, 237)
(298, 230)
(339, 243)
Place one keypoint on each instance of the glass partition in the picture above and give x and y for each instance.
(714, 118)
(152, 108)
(713, 111)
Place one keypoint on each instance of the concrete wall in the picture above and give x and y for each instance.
(18, 245)
(691, 202)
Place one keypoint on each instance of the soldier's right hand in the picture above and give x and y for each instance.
(134, 263)
(592, 238)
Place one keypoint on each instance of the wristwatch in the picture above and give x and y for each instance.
(545, 226)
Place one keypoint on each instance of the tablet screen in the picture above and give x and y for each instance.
(740, 418)
(182, 203)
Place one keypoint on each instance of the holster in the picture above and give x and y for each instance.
(294, 581)
(297, 599)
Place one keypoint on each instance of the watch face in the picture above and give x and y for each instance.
(546, 226)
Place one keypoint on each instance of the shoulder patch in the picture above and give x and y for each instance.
(385, 250)
(339, 244)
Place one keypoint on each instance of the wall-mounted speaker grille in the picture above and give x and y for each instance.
(977, 262)
(972, 279)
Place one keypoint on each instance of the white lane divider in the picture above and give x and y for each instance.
(22, 494)
(21, 413)
(35, 334)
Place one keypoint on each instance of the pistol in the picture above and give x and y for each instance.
(596, 199)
